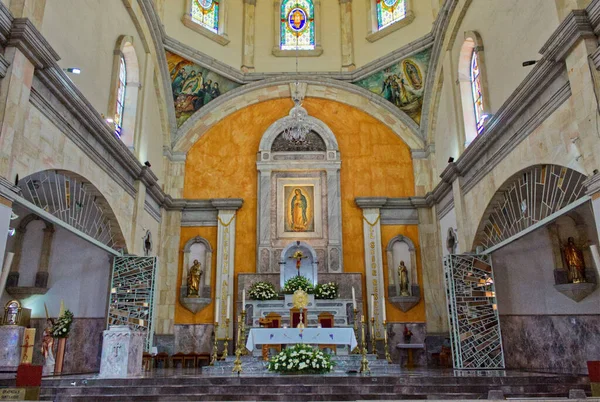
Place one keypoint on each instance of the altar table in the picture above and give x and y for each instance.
(312, 336)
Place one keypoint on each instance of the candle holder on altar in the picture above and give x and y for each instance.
(386, 348)
(237, 364)
(364, 363)
(215, 351)
(242, 338)
(226, 343)
(373, 349)
(356, 350)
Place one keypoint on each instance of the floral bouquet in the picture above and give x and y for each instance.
(407, 334)
(298, 282)
(326, 290)
(303, 359)
(262, 291)
(62, 326)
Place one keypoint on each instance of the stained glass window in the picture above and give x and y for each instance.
(297, 25)
(206, 13)
(389, 11)
(120, 96)
(476, 91)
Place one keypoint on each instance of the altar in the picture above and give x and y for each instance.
(293, 336)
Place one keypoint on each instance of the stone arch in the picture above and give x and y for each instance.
(303, 246)
(516, 206)
(206, 262)
(200, 123)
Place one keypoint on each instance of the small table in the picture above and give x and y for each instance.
(409, 348)
(292, 336)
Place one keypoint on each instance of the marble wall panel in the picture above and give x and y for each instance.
(165, 343)
(550, 342)
(193, 338)
(84, 345)
(395, 336)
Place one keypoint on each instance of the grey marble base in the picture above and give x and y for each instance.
(11, 339)
(193, 338)
(122, 351)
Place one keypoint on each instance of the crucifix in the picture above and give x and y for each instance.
(298, 256)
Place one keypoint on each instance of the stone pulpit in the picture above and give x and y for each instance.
(122, 351)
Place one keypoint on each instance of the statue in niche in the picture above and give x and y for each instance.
(451, 241)
(47, 347)
(575, 262)
(193, 280)
(403, 275)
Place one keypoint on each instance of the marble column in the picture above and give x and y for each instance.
(373, 259)
(347, 35)
(263, 257)
(248, 41)
(227, 208)
(592, 185)
(334, 223)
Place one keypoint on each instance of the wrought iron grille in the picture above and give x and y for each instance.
(132, 294)
(74, 201)
(530, 197)
(474, 325)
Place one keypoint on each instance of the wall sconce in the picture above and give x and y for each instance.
(72, 70)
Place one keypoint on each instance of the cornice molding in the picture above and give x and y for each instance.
(4, 64)
(575, 26)
(6, 21)
(8, 190)
(593, 12)
(25, 37)
(592, 184)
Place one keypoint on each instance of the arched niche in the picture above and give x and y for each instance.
(309, 264)
(402, 249)
(315, 167)
(197, 248)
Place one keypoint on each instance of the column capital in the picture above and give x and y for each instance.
(592, 184)
(227, 203)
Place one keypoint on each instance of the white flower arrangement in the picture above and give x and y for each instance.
(262, 291)
(298, 282)
(303, 359)
(326, 290)
(62, 326)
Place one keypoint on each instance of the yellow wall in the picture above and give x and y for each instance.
(375, 162)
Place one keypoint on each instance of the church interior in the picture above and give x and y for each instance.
(299, 199)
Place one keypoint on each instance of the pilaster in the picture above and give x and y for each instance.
(31, 9)
(347, 35)
(248, 38)
(227, 209)
(592, 185)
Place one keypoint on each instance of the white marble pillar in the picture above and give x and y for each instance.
(347, 35)
(263, 257)
(334, 223)
(373, 260)
(248, 42)
(227, 208)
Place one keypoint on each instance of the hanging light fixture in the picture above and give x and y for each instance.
(297, 131)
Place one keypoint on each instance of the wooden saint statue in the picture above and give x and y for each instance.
(403, 275)
(575, 263)
(193, 280)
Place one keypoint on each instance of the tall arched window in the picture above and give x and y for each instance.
(206, 13)
(297, 25)
(120, 107)
(473, 86)
(389, 11)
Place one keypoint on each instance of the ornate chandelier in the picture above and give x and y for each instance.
(298, 129)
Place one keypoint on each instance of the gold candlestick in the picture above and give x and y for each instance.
(356, 350)
(237, 364)
(215, 351)
(242, 339)
(373, 349)
(364, 363)
(388, 357)
(226, 343)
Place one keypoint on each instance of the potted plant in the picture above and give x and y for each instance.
(262, 291)
(301, 359)
(328, 290)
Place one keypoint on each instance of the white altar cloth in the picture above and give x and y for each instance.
(312, 336)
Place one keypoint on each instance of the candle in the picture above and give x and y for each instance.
(353, 299)
(217, 311)
(384, 317)
(228, 306)
(362, 318)
(244, 300)
(372, 305)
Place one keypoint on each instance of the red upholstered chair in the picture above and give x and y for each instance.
(272, 320)
(327, 321)
(295, 317)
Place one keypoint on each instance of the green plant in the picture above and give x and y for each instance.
(298, 282)
(326, 290)
(262, 291)
(62, 326)
(303, 359)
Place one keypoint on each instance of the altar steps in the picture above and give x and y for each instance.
(433, 384)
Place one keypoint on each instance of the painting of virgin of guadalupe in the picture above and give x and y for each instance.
(299, 216)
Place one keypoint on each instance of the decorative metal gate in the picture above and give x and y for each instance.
(472, 312)
(132, 294)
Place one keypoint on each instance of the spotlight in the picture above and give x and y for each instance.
(450, 159)
(529, 63)
(13, 216)
(110, 121)
(11, 231)
(147, 164)
(72, 70)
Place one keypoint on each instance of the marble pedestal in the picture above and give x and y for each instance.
(122, 351)
(11, 339)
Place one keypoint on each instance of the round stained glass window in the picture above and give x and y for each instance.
(297, 19)
(205, 3)
(390, 3)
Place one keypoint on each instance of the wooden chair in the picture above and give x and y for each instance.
(147, 361)
(177, 357)
(295, 317)
(190, 357)
(271, 320)
(202, 359)
(327, 321)
(162, 357)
